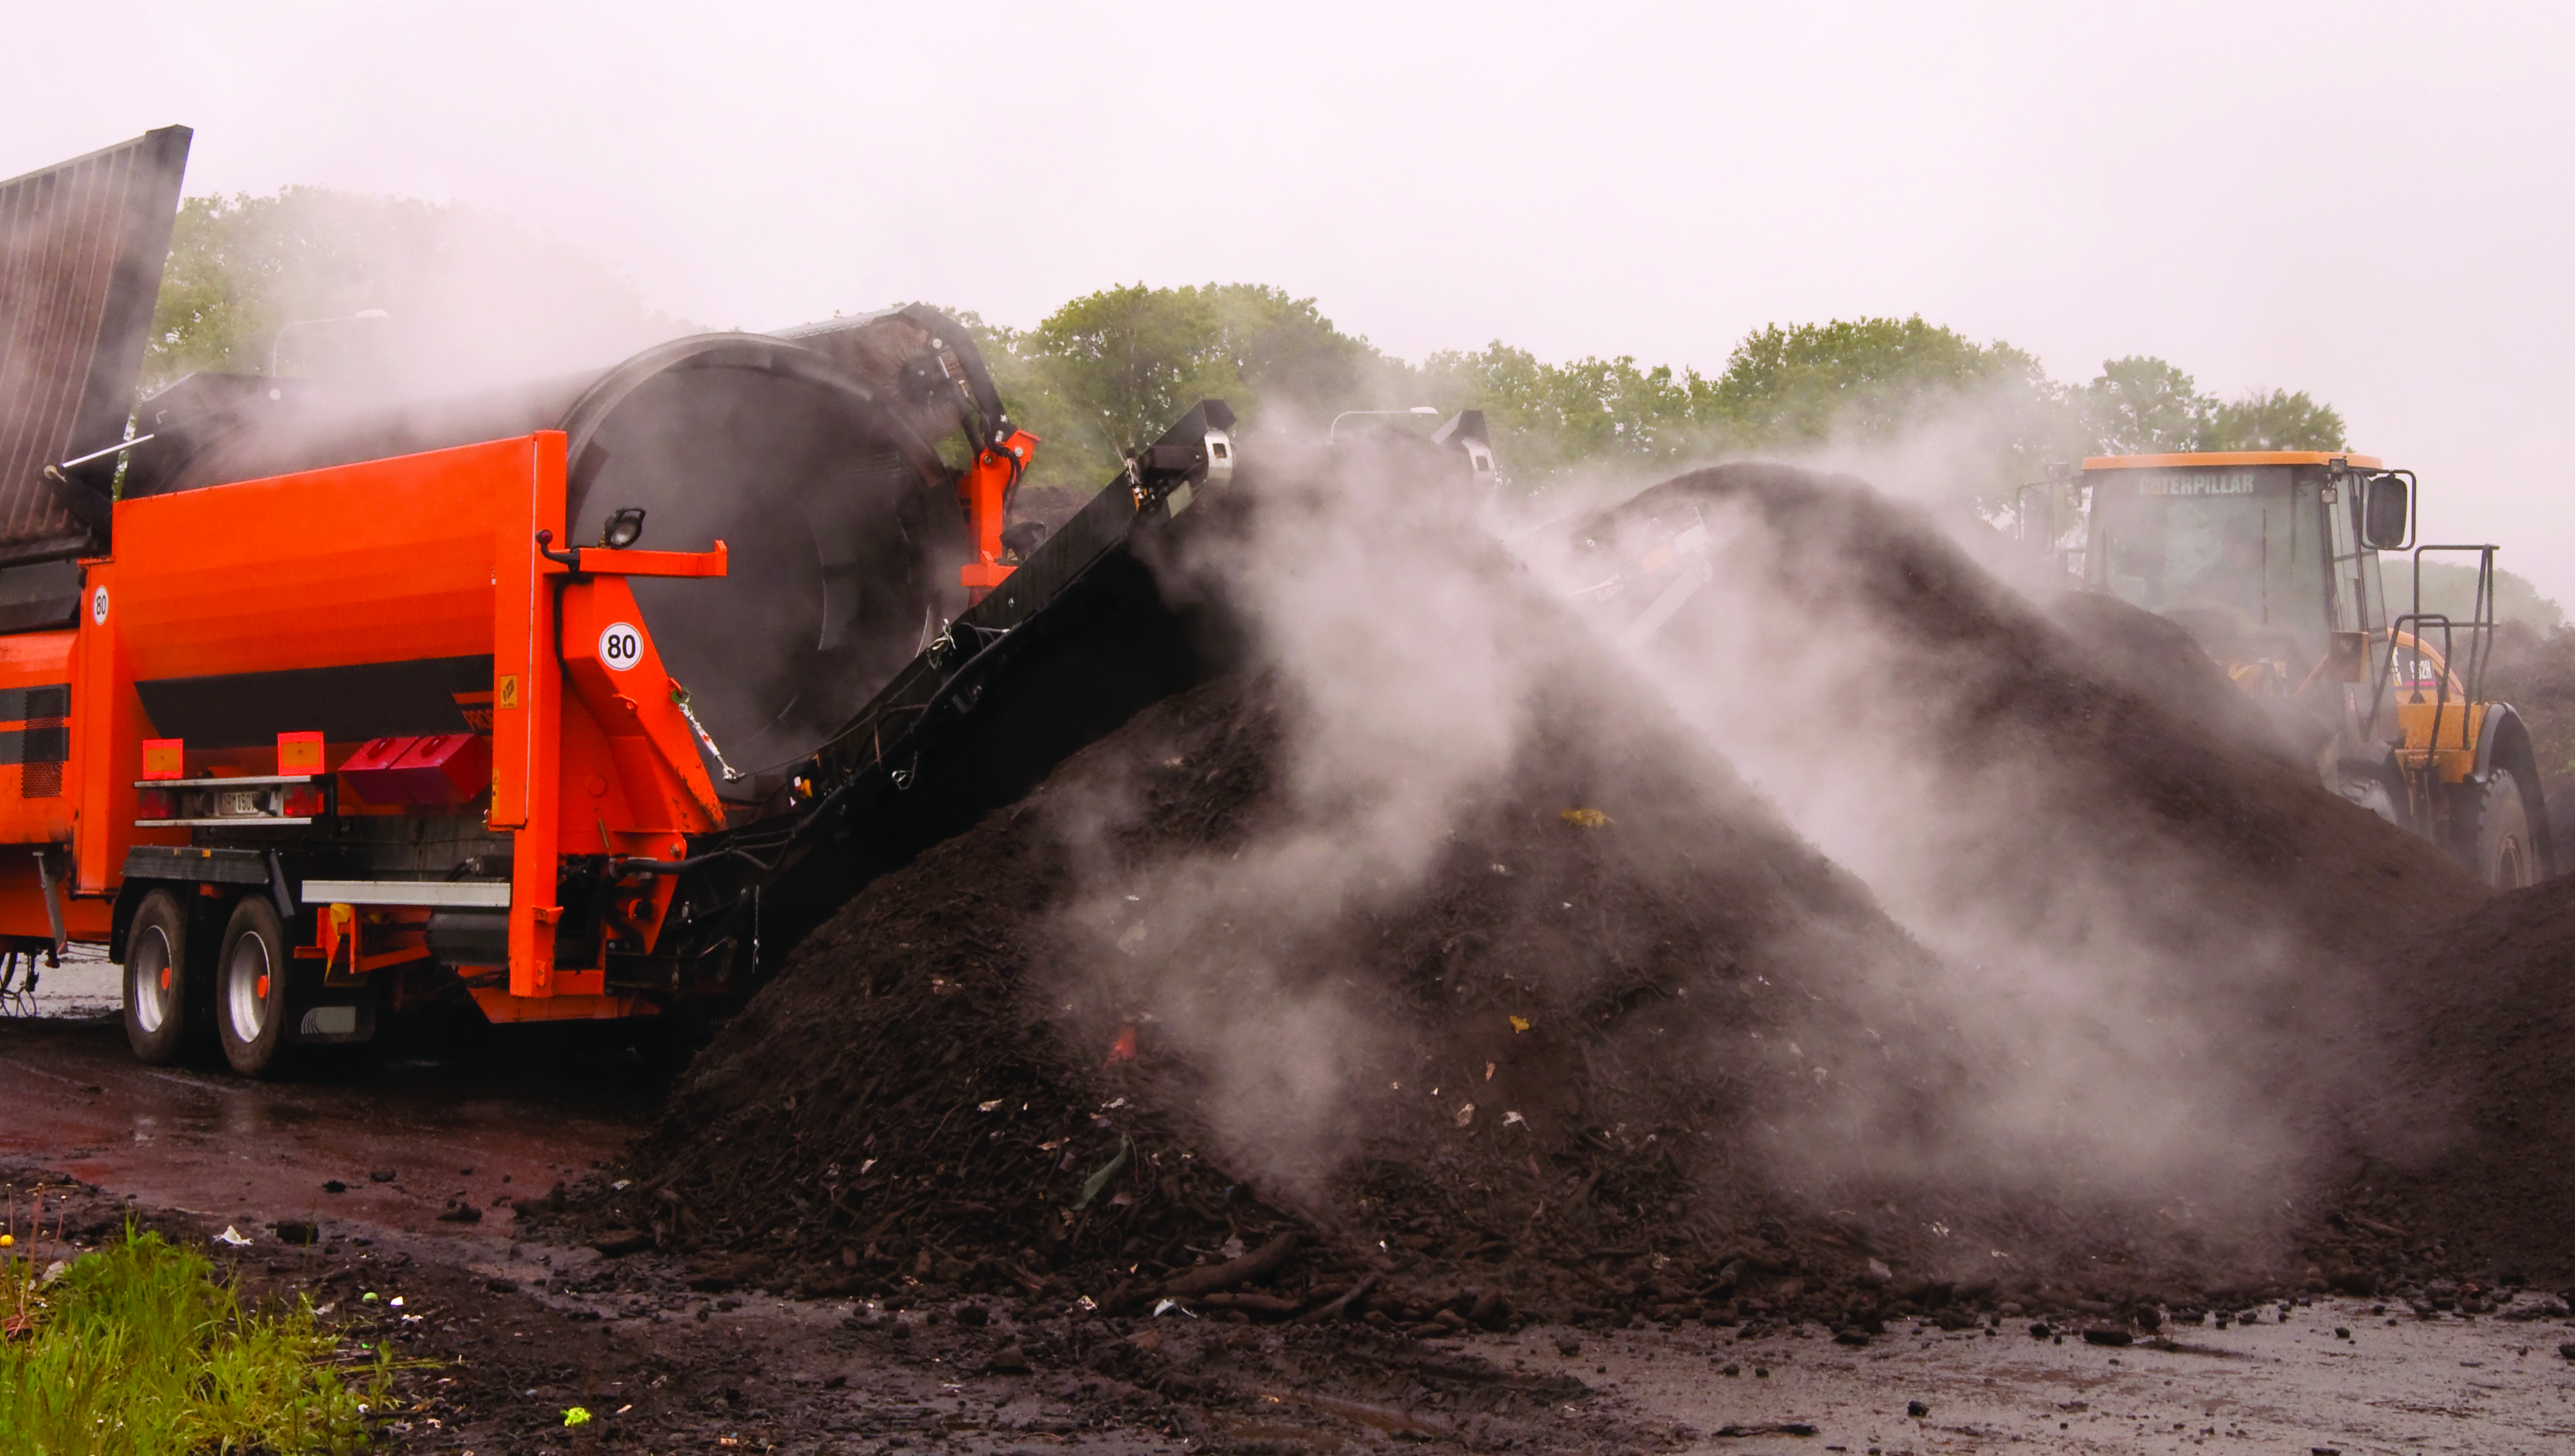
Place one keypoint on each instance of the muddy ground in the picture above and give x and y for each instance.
(509, 1332)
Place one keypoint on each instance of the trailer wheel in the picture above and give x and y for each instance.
(250, 988)
(157, 972)
(2500, 833)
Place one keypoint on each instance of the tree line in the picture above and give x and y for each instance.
(472, 291)
(1106, 370)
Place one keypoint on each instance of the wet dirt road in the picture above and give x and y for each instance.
(508, 1329)
(2489, 1386)
(404, 1140)
(510, 1119)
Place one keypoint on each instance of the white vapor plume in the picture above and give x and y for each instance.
(2100, 1033)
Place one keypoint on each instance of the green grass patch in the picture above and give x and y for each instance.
(138, 1348)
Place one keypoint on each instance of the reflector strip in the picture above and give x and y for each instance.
(435, 894)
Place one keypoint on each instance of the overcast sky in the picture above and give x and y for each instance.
(2367, 201)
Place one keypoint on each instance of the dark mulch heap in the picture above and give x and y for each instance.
(2100, 722)
(1580, 1049)
(2472, 1166)
(2420, 1053)
(1696, 1087)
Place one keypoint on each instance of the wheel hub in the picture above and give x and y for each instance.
(248, 998)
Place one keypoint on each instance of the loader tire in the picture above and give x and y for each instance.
(250, 988)
(2498, 834)
(159, 979)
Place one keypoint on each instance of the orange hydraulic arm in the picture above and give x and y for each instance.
(985, 491)
(1001, 453)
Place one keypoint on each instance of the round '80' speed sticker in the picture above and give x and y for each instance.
(621, 647)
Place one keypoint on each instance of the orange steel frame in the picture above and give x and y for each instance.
(425, 556)
(2232, 458)
(984, 490)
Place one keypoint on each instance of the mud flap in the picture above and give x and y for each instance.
(334, 1017)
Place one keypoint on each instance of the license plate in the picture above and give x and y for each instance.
(241, 803)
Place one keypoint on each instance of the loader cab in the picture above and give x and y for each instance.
(2270, 562)
(2261, 558)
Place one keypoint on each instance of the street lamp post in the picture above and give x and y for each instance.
(1335, 433)
(279, 336)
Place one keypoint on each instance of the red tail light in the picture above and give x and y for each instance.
(156, 804)
(303, 801)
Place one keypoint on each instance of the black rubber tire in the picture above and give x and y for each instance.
(2497, 834)
(158, 984)
(250, 988)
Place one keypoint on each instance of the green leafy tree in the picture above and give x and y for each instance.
(1789, 388)
(1297, 364)
(1124, 361)
(1112, 369)
(473, 295)
(1992, 409)
(1592, 412)
(2143, 406)
(1863, 378)
(470, 295)
(2450, 589)
(2274, 420)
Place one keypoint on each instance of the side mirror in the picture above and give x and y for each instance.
(2384, 513)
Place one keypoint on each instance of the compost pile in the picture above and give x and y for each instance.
(2465, 1173)
(2534, 671)
(2407, 1028)
(1624, 1045)
(2099, 727)
(1585, 1035)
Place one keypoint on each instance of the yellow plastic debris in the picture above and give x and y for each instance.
(1520, 1023)
(1589, 818)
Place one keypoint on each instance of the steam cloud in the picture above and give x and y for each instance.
(2103, 1028)
(1404, 684)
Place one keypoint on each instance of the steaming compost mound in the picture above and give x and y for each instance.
(2153, 658)
(2477, 1133)
(2535, 673)
(2184, 930)
(2177, 798)
(1613, 1041)
(1564, 1042)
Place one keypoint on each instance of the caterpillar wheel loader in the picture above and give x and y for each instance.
(2272, 562)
